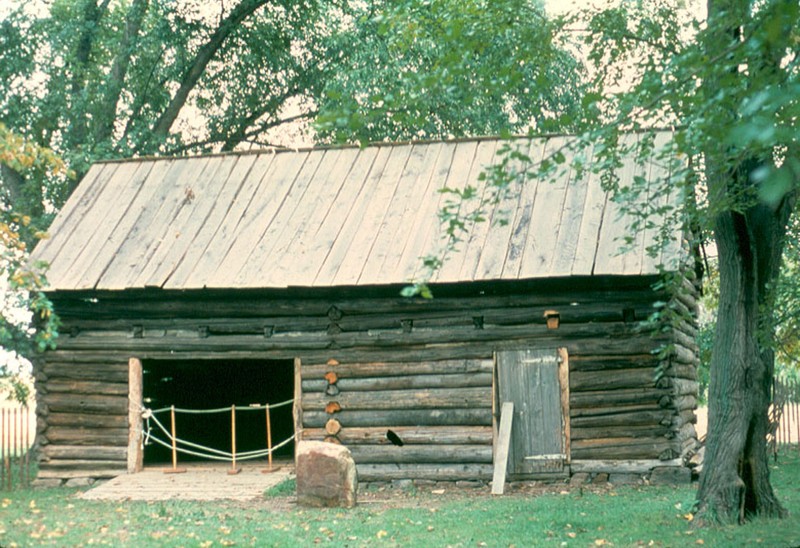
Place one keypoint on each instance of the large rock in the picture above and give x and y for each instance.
(326, 475)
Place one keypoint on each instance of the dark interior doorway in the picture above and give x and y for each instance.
(213, 384)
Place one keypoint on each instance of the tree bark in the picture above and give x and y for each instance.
(735, 480)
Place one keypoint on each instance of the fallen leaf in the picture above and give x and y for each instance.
(437, 492)
(688, 517)
(572, 534)
(381, 534)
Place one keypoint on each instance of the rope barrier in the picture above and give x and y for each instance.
(177, 445)
(222, 409)
(226, 457)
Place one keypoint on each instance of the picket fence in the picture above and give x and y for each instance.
(17, 431)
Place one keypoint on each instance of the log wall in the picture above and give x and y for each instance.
(420, 368)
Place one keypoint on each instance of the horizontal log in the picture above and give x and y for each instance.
(106, 372)
(433, 435)
(622, 448)
(434, 472)
(317, 302)
(604, 432)
(604, 363)
(624, 419)
(410, 353)
(686, 416)
(256, 348)
(85, 403)
(87, 387)
(682, 371)
(87, 420)
(614, 410)
(460, 380)
(611, 398)
(95, 473)
(682, 403)
(682, 354)
(687, 342)
(83, 452)
(590, 335)
(679, 306)
(391, 371)
(580, 381)
(680, 387)
(454, 454)
(65, 435)
(85, 465)
(436, 398)
(402, 417)
(620, 466)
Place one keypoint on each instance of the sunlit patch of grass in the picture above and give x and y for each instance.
(283, 489)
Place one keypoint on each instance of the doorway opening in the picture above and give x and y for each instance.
(219, 384)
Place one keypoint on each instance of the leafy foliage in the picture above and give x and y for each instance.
(27, 322)
(422, 69)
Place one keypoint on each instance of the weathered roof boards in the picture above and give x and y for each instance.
(334, 217)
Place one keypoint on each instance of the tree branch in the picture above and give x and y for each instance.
(12, 183)
(106, 112)
(200, 62)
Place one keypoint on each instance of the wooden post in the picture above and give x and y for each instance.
(15, 438)
(2, 448)
(174, 469)
(269, 445)
(27, 447)
(503, 444)
(135, 455)
(233, 469)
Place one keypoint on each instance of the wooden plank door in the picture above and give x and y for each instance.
(534, 380)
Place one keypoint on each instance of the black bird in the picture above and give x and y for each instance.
(394, 438)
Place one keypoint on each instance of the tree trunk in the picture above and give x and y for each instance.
(749, 235)
(735, 481)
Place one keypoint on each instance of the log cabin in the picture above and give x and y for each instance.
(268, 276)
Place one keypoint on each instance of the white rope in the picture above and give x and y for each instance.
(214, 454)
(223, 409)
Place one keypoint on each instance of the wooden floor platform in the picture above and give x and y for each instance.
(201, 481)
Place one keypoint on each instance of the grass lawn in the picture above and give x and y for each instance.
(627, 516)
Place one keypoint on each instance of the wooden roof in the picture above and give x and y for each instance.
(331, 217)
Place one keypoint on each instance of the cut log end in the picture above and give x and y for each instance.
(333, 427)
(333, 407)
